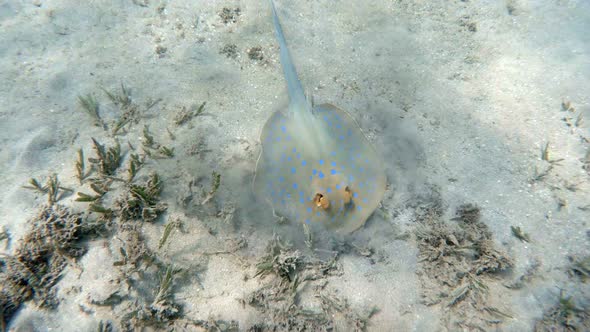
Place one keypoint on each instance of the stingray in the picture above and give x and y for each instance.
(316, 165)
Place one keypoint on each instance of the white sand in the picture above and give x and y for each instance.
(466, 111)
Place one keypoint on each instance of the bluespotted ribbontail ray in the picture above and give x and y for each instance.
(316, 165)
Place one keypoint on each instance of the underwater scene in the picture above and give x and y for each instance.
(294, 165)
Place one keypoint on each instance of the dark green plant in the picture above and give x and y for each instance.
(107, 160)
(91, 106)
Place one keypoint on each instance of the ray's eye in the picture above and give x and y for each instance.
(347, 195)
(321, 201)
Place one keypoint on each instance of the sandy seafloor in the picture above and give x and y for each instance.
(459, 97)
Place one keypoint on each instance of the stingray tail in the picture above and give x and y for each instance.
(296, 93)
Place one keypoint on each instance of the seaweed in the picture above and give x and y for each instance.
(216, 325)
(586, 162)
(579, 120)
(561, 203)
(4, 236)
(214, 186)
(106, 213)
(107, 160)
(528, 274)
(229, 15)
(280, 259)
(105, 326)
(125, 103)
(281, 311)
(166, 152)
(82, 197)
(111, 300)
(285, 271)
(520, 234)
(358, 321)
(456, 261)
(52, 188)
(35, 185)
(308, 236)
(81, 173)
(120, 124)
(470, 284)
(153, 149)
(165, 288)
(229, 50)
(541, 174)
(161, 311)
(40, 257)
(170, 134)
(121, 99)
(168, 230)
(185, 115)
(545, 155)
(91, 106)
(565, 315)
(100, 188)
(567, 106)
(580, 267)
(148, 138)
(255, 53)
(134, 252)
(141, 201)
(135, 164)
